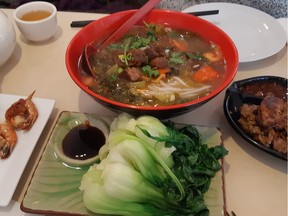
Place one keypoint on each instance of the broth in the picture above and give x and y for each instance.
(156, 65)
(35, 15)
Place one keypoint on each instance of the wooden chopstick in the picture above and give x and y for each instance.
(82, 23)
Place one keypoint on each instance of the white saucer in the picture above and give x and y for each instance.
(256, 34)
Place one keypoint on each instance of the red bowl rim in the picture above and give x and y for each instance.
(198, 101)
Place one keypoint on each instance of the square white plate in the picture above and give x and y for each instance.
(12, 167)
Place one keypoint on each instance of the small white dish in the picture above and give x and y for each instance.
(13, 166)
(66, 125)
(256, 34)
(36, 29)
(7, 38)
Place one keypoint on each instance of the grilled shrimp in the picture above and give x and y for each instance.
(8, 140)
(22, 114)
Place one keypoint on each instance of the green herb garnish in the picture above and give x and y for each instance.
(147, 70)
(177, 58)
(194, 56)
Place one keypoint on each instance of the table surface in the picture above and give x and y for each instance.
(255, 182)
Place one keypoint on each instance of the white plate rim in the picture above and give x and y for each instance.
(13, 166)
(271, 36)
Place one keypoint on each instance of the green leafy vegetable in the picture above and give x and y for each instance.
(113, 73)
(126, 56)
(195, 56)
(147, 70)
(151, 31)
(151, 168)
(177, 58)
(139, 42)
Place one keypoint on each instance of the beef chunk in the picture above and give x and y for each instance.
(272, 112)
(159, 62)
(153, 52)
(138, 57)
(156, 49)
(248, 118)
(267, 123)
(280, 142)
(132, 73)
(116, 59)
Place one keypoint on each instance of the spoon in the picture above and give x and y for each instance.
(89, 49)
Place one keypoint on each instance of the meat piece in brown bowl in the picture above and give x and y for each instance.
(267, 123)
(272, 112)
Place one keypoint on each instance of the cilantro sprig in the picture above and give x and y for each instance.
(150, 72)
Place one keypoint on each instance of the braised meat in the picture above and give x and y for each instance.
(157, 49)
(135, 57)
(272, 112)
(139, 57)
(160, 62)
(132, 73)
(116, 58)
(267, 123)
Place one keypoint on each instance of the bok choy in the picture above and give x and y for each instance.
(151, 168)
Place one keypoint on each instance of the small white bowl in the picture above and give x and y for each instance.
(7, 38)
(38, 30)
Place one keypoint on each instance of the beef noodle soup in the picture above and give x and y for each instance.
(156, 65)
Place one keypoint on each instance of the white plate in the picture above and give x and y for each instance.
(284, 23)
(256, 34)
(12, 167)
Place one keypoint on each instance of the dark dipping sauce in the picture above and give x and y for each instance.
(264, 88)
(83, 142)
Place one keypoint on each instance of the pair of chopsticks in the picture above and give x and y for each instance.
(79, 24)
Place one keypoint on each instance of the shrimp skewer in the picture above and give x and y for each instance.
(22, 114)
(8, 140)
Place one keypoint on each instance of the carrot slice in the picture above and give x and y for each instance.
(181, 45)
(163, 70)
(205, 74)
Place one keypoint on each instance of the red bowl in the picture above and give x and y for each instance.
(100, 28)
